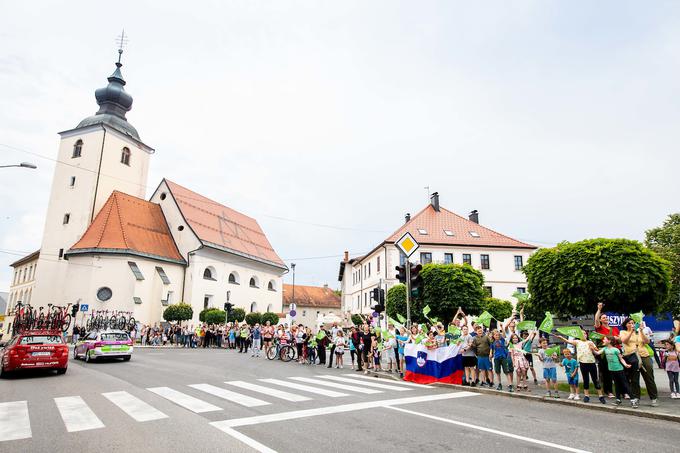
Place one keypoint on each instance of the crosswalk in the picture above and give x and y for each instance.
(77, 415)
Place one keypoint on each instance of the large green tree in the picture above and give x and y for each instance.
(178, 312)
(571, 278)
(665, 241)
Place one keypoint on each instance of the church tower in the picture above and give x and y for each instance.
(102, 154)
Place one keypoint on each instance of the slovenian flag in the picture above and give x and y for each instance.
(425, 366)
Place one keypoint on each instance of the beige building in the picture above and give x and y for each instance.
(314, 304)
(444, 237)
(21, 288)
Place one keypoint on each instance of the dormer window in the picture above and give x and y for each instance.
(474, 234)
(422, 231)
(77, 149)
(449, 233)
(125, 156)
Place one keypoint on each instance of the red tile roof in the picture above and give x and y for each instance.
(128, 224)
(311, 296)
(224, 228)
(30, 257)
(436, 222)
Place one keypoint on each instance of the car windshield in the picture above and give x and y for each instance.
(41, 339)
(114, 336)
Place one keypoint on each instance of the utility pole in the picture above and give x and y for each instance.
(407, 266)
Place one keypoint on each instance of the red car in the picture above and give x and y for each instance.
(35, 349)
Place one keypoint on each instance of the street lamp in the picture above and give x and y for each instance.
(292, 266)
(22, 165)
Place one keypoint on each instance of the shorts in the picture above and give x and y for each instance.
(550, 374)
(267, 340)
(503, 363)
(469, 361)
(483, 363)
(530, 358)
(572, 380)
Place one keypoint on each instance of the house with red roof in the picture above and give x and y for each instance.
(443, 237)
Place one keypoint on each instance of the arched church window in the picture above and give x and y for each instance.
(78, 148)
(125, 156)
(209, 273)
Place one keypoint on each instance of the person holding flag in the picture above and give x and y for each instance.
(585, 350)
(481, 344)
(548, 357)
(636, 353)
(602, 327)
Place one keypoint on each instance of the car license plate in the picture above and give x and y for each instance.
(40, 354)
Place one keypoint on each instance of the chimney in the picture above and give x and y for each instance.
(474, 216)
(434, 200)
(346, 256)
(325, 286)
(407, 217)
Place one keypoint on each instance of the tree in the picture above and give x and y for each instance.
(236, 314)
(254, 318)
(273, 318)
(396, 304)
(215, 316)
(665, 241)
(357, 320)
(449, 286)
(499, 309)
(178, 312)
(571, 278)
(201, 314)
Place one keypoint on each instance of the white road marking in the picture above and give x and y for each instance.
(283, 416)
(368, 384)
(335, 385)
(304, 388)
(184, 400)
(409, 384)
(76, 414)
(243, 400)
(134, 407)
(492, 431)
(252, 443)
(268, 391)
(14, 421)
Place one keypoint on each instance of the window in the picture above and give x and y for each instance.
(169, 299)
(425, 257)
(233, 278)
(163, 275)
(137, 300)
(304, 313)
(180, 228)
(521, 290)
(209, 274)
(422, 231)
(253, 282)
(135, 270)
(519, 262)
(253, 307)
(485, 261)
(448, 258)
(72, 183)
(369, 269)
(61, 253)
(206, 301)
(489, 291)
(163, 195)
(271, 286)
(77, 149)
(67, 218)
(402, 258)
(125, 156)
(269, 308)
(474, 234)
(377, 265)
(449, 233)
(104, 294)
(365, 299)
(467, 259)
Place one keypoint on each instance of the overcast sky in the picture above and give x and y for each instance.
(557, 120)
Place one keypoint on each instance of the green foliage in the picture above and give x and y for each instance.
(396, 303)
(532, 312)
(236, 314)
(273, 318)
(215, 316)
(201, 315)
(254, 318)
(665, 241)
(499, 309)
(571, 278)
(178, 312)
(357, 320)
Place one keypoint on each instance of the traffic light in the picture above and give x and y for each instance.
(228, 307)
(74, 310)
(416, 280)
(401, 276)
(379, 308)
(375, 294)
(382, 297)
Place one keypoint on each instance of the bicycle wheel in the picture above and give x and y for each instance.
(132, 323)
(113, 322)
(287, 353)
(65, 322)
(271, 353)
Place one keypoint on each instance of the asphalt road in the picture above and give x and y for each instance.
(208, 401)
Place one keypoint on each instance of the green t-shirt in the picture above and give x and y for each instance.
(612, 355)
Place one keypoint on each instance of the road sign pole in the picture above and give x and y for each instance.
(407, 266)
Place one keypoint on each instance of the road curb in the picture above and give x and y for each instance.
(578, 405)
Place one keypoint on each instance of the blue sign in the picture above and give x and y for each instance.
(84, 307)
(292, 313)
(656, 323)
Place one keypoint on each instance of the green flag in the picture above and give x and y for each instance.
(426, 310)
(401, 318)
(453, 330)
(547, 324)
(637, 317)
(485, 318)
(526, 325)
(571, 331)
(321, 335)
(419, 338)
(395, 323)
(434, 320)
(594, 336)
(554, 350)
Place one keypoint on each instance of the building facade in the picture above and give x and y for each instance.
(444, 237)
(314, 304)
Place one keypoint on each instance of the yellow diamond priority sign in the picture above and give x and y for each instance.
(407, 244)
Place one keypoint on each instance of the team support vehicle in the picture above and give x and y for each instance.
(35, 349)
(105, 343)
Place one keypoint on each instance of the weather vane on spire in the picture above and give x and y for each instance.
(122, 41)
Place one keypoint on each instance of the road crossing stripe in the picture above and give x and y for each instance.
(304, 388)
(184, 400)
(14, 421)
(243, 400)
(369, 384)
(409, 384)
(268, 391)
(335, 385)
(327, 410)
(76, 414)
(134, 407)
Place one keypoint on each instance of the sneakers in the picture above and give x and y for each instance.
(602, 400)
(617, 402)
(483, 384)
(473, 384)
(499, 387)
(556, 395)
(635, 403)
(571, 396)
(510, 388)
(586, 399)
(535, 381)
(674, 396)
(548, 394)
(576, 398)
(610, 395)
(655, 402)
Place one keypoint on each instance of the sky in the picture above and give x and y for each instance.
(327, 121)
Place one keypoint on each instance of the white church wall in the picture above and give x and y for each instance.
(184, 237)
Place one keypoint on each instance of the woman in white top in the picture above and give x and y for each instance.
(340, 344)
(586, 360)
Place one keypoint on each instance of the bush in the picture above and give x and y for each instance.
(499, 309)
(254, 318)
(178, 312)
(273, 318)
(215, 316)
(237, 314)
